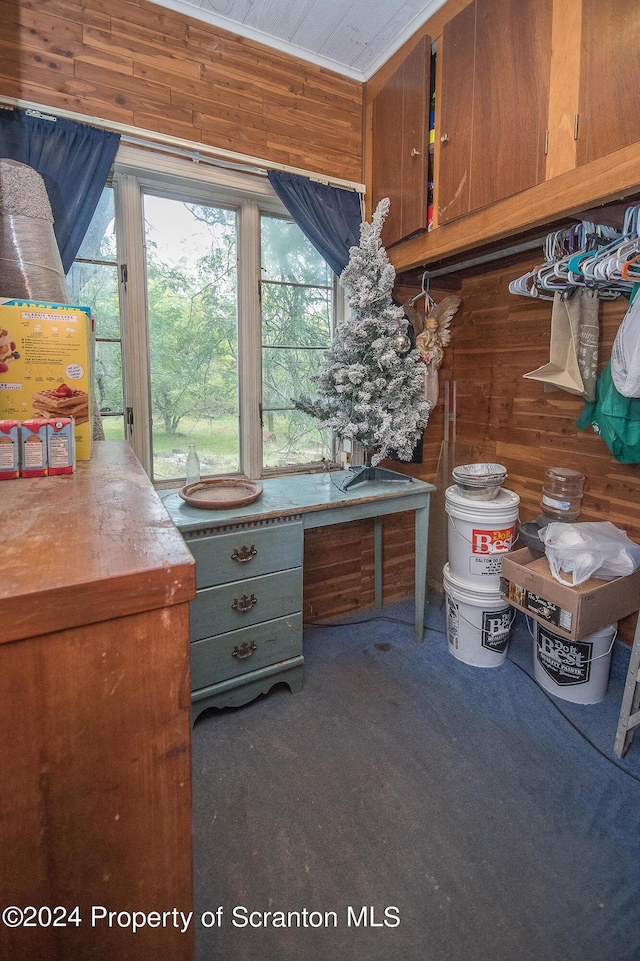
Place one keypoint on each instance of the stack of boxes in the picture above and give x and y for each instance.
(46, 364)
(574, 625)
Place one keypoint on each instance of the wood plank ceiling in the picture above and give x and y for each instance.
(352, 37)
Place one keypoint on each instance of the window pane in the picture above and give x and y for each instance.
(108, 377)
(295, 316)
(286, 374)
(297, 306)
(192, 296)
(288, 256)
(100, 239)
(291, 438)
(96, 286)
(113, 427)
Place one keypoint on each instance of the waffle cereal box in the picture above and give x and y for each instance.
(46, 365)
(61, 446)
(33, 452)
(9, 449)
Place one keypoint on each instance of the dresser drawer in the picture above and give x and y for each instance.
(230, 607)
(216, 659)
(246, 553)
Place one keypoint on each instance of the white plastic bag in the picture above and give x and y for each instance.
(625, 353)
(598, 549)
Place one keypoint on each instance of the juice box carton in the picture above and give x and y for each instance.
(61, 446)
(9, 449)
(33, 444)
(46, 365)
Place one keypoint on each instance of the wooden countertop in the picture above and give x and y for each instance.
(87, 547)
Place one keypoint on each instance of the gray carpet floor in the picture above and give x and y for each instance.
(463, 814)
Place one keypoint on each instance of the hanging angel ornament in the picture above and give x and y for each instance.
(432, 341)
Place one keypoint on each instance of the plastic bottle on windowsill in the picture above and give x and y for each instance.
(192, 466)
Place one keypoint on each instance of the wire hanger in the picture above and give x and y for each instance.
(424, 292)
(584, 255)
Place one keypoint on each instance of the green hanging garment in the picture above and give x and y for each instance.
(615, 418)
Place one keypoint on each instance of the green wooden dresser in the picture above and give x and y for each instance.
(246, 619)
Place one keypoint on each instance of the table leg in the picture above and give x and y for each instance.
(422, 535)
(377, 558)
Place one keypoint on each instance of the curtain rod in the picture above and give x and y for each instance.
(149, 138)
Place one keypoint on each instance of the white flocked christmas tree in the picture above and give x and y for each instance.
(371, 386)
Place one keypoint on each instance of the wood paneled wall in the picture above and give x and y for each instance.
(497, 337)
(135, 63)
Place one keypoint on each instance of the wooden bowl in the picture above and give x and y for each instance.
(221, 493)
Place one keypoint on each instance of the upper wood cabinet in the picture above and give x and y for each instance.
(609, 112)
(536, 119)
(400, 145)
(494, 93)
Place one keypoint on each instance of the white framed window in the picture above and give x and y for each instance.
(93, 282)
(224, 311)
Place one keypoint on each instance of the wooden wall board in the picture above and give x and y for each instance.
(497, 337)
(157, 69)
(338, 569)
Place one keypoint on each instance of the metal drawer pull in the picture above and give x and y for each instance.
(244, 554)
(244, 603)
(245, 650)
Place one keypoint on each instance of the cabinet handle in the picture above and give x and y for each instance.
(414, 152)
(244, 603)
(244, 554)
(444, 138)
(245, 650)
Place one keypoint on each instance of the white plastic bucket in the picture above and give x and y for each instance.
(478, 623)
(576, 671)
(479, 532)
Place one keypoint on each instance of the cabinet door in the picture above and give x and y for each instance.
(510, 97)
(496, 65)
(400, 145)
(453, 172)
(609, 78)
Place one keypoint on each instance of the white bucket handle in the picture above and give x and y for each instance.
(469, 541)
(589, 660)
(606, 653)
(471, 624)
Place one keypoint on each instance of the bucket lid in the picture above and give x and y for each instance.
(480, 475)
(468, 591)
(506, 500)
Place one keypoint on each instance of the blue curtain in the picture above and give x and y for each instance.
(329, 217)
(74, 161)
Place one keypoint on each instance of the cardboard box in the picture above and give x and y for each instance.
(33, 448)
(47, 369)
(9, 449)
(574, 612)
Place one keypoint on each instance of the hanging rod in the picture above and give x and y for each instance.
(150, 138)
(486, 258)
